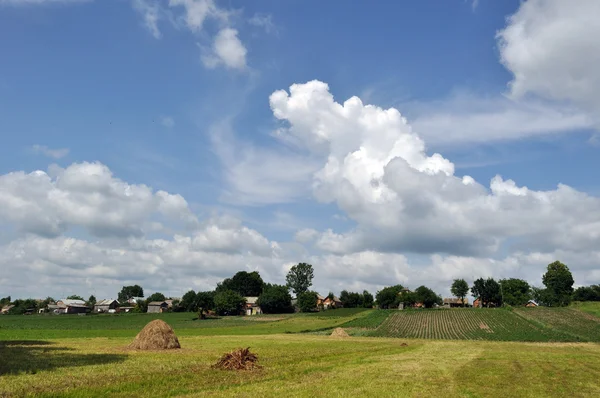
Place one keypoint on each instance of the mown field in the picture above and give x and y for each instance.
(75, 356)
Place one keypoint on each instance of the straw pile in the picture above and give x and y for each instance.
(157, 335)
(339, 333)
(240, 359)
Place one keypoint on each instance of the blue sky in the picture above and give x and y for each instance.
(175, 95)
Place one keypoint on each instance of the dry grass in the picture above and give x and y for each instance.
(156, 335)
(339, 333)
(240, 359)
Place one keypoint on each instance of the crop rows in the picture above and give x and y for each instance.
(578, 324)
(466, 324)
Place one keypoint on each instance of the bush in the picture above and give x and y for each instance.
(275, 299)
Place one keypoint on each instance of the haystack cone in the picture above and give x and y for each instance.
(339, 332)
(156, 335)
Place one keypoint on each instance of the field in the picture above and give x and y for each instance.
(469, 324)
(73, 356)
(575, 323)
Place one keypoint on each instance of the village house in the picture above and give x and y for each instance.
(68, 306)
(320, 300)
(158, 307)
(133, 301)
(531, 303)
(252, 307)
(5, 309)
(107, 305)
(330, 303)
(455, 302)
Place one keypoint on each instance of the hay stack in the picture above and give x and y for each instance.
(339, 333)
(240, 359)
(157, 335)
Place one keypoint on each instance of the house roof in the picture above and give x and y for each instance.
(134, 299)
(455, 301)
(251, 300)
(69, 302)
(7, 308)
(158, 303)
(106, 302)
(335, 298)
(320, 297)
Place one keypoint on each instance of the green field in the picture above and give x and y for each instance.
(580, 325)
(86, 356)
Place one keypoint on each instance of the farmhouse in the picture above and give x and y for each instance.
(320, 300)
(68, 306)
(107, 305)
(5, 309)
(134, 300)
(332, 303)
(455, 302)
(158, 306)
(531, 303)
(252, 307)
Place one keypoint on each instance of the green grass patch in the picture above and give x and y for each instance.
(467, 324)
(371, 320)
(580, 325)
(590, 307)
(300, 366)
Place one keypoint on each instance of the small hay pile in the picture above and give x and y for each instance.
(156, 335)
(339, 333)
(240, 359)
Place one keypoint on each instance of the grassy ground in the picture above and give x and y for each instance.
(469, 324)
(591, 307)
(301, 366)
(580, 325)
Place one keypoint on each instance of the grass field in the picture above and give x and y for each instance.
(73, 356)
(301, 366)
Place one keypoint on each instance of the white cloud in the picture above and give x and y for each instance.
(227, 50)
(264, 21)
(467, 118)
(167, 121)
(378, 172)
(51, 153)
(85, 195)
(553, 51)
(197, 11)
(151, 13)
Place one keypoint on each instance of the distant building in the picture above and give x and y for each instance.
(68, 306)
(134, 300)
(5, 309)
(531, 303)
(158, 307)
(455, 302)
(107, 305)
(334, 302)
(252, 307)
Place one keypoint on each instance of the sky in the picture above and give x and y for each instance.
(172, 143)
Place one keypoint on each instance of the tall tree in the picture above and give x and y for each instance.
(388, 296)
(4, 301)
(460, 289)
(300, 277)
(367, 299)
(587, 293)
(275, 299)
(559, 284)
(487, 291)
(228, 302)
(427, 296)
(307, 301)
(188, 302)
(247, 284)
(515, 292)
(128, 292)
(156, 297)
(91, 301)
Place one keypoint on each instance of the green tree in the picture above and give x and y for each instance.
(23, 306)
(406, 298)
(128, 292)
(275, 299)
(247, 284)
(91, 301)
(559, 284)
(188, 302)
(75, 297)
(367, 299)
(156, 297)
(515, 292)
(427, 296)
(488, 291)
(587, 293)
(299, 278)
(4, 301)
(205, 301)
(141, 306)
(228, 302)
(307, 301)
(388, 297)
(460, 289)
(351, 299)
